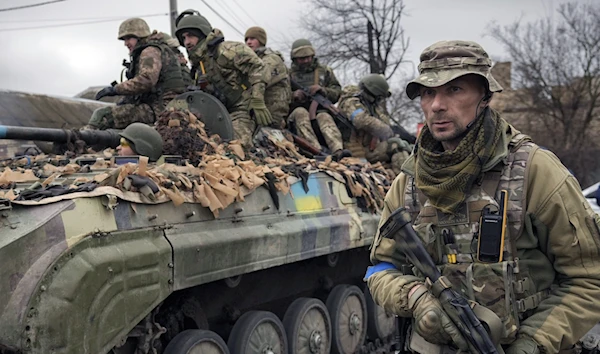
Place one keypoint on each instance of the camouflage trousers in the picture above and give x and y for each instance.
(277, 100)
(330, 131)
(120, 116)
(243, 127)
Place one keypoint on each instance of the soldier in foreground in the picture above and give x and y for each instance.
(235, 73)
(373, 135)
(155, 79)
(140, 139)
(278, 93)
(308, 72)
(539, 273)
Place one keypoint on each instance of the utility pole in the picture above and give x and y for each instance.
(372, 60)
(173, 15)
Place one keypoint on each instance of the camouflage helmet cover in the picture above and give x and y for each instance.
(302, 48)
(145, 140)
(445, 61)
(192, 20)
(135, 27)
(376, 85)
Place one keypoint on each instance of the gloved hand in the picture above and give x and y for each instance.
(299, 96)
(396, 144)
(259, 111)
(101, 118)
(314, 89)
(431, 322)
(107, 91)
(523, 345)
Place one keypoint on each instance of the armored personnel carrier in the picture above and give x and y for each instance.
(263, 253)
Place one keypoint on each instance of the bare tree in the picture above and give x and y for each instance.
(556, 70)
(339, 31)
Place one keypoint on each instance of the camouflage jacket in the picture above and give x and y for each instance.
(317, 74)
(557, 244)
(156, 71)
(369, 119)
(278, 94)
(233, 70)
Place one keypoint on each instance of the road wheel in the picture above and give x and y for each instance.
(348, 313)
(380, 324)
(197, 341)
(308, 327)
(258, 332)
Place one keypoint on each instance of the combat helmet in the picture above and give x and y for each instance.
(445, 61)
(376, 85)
(192, 21)
(170, 41)
(135, 27)
(302, 48)
(144, 139)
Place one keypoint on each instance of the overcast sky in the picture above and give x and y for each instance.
(42, 55)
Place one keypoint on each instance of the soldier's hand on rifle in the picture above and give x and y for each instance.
(299, 96)
(107, 91)
(313, 89)
(523, 345)
(259, 111)
(431, 321)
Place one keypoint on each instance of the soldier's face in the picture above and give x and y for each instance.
(450, 108)
(252, 43)
(304, 61)
(125, 149)
(189, 40)
(130, 42)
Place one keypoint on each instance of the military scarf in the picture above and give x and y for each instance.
(445, 177)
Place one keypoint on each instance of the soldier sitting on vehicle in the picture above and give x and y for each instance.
(235, 73)
(278, 93)
(372, 137)
(318, 78)
(140, 139)
(154, 79)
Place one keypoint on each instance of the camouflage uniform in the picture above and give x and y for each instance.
(552, 235)
(278, 93)
(236, 74)
(370, 119)
(156, 80)
(317, 74)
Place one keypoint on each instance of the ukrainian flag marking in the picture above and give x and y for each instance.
(307, 201)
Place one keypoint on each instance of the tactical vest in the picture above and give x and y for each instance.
(505, 287)
(170, 78)
(229, 95)
(306, 79)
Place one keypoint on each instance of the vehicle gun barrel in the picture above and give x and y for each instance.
(108, 138)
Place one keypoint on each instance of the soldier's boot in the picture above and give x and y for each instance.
(340, 154)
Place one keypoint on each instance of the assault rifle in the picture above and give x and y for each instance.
(320, 100)
(398, 227)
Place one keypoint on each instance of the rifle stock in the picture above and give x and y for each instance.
(399, 228)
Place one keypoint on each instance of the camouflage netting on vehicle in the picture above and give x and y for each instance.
(217, 174)
(182, 134)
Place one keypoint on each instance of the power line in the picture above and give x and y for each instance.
(77, 23)
(222, 18)
(246, 12)
(31, 5)
(60, 19)
(228, 9)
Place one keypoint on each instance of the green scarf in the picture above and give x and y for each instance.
(445, 177)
